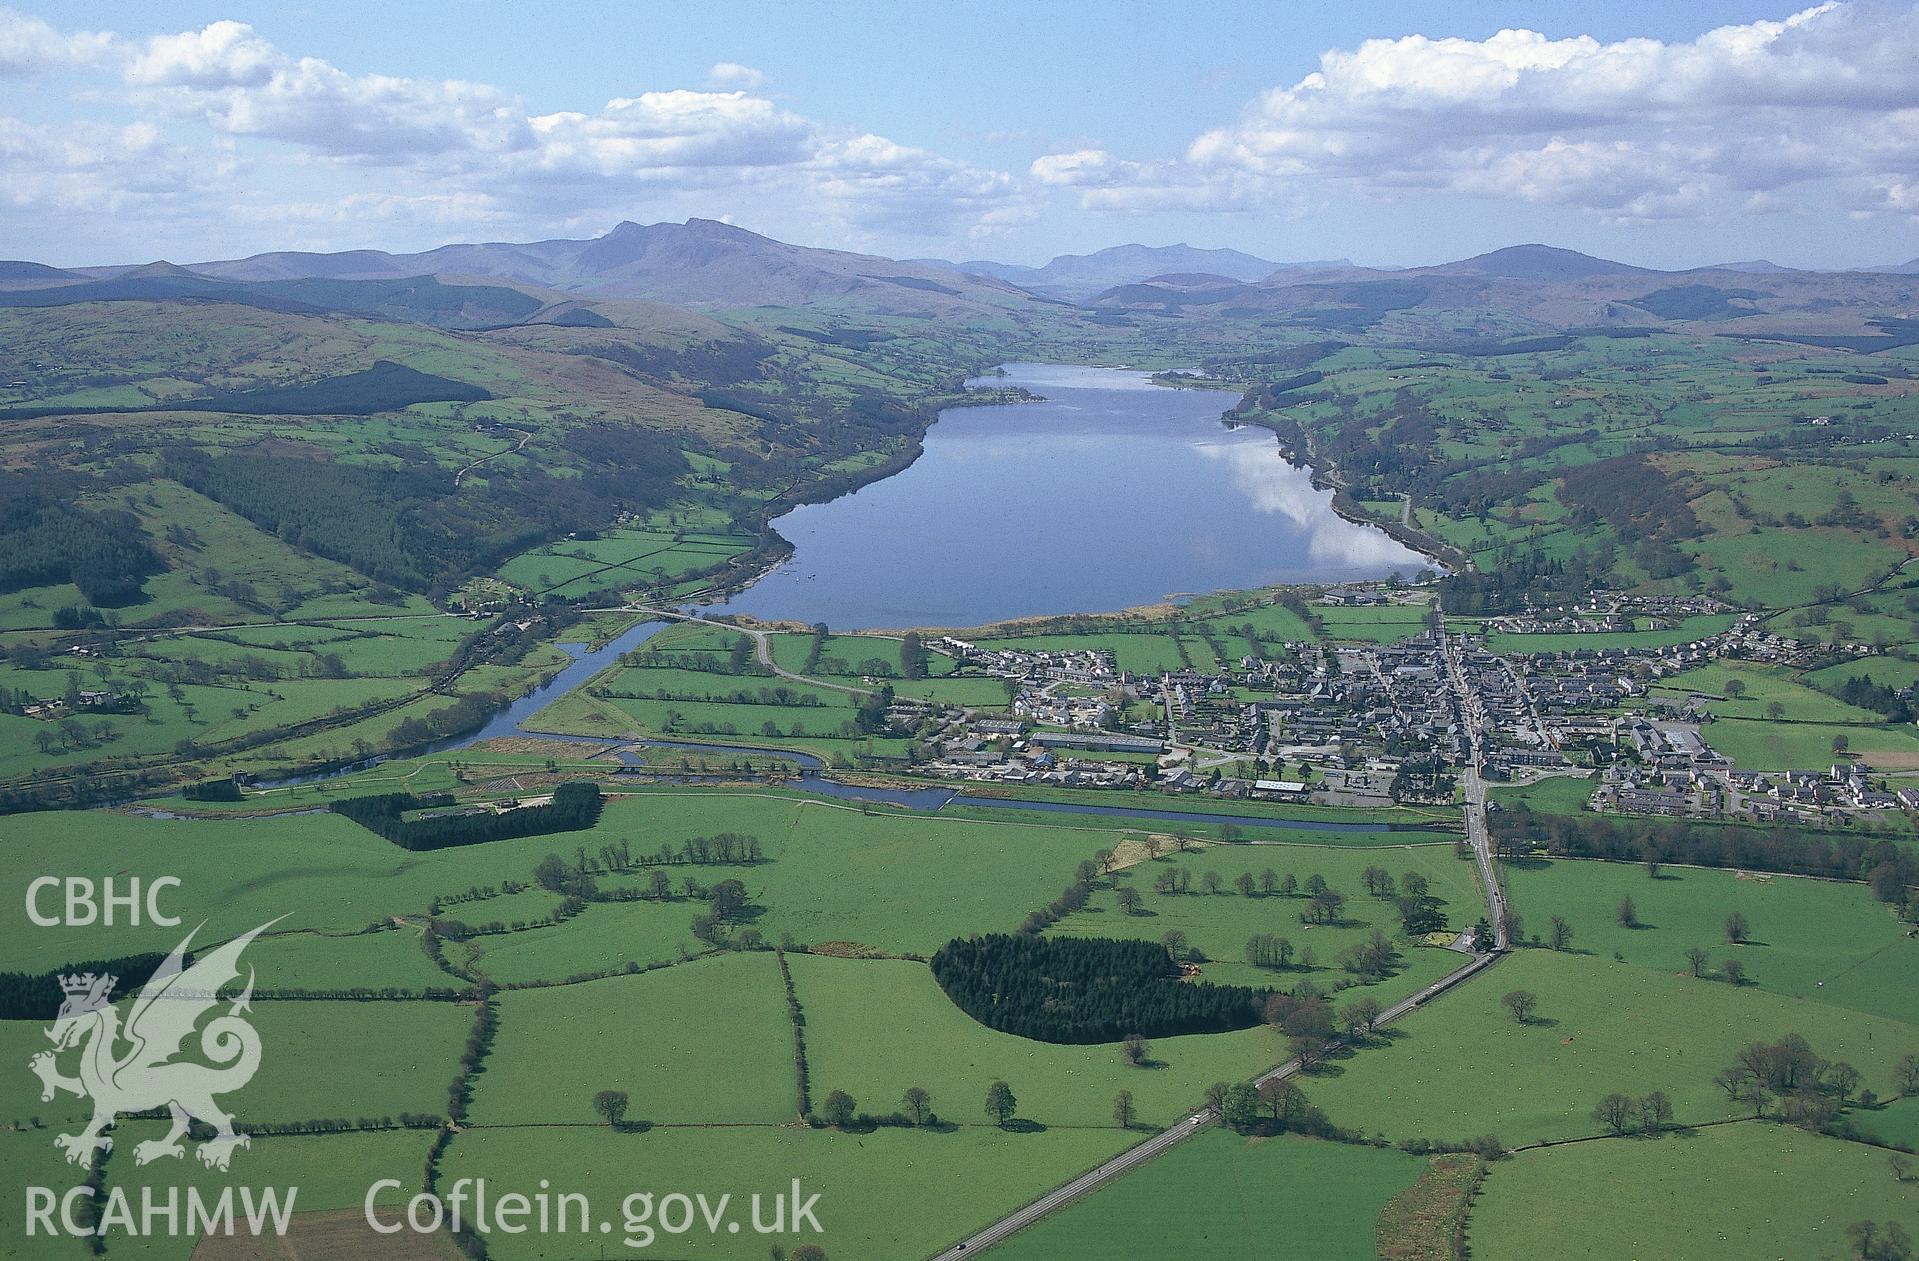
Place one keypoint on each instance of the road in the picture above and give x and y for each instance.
(762, 647)
(1186, 1127)
(1194, 1123)
(526, 436)
(1475, 792)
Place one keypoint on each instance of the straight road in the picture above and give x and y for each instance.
(1173, 1135)
(1475, 791)
(1193, 1123)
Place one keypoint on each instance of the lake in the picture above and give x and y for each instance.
(1113, 492)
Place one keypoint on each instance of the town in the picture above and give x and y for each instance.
(1362, 724)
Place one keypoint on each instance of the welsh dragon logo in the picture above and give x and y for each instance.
(141, 1066)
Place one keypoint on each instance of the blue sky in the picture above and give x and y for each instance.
(1388, 133)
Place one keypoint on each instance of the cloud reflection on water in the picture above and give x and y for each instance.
(1272, 486)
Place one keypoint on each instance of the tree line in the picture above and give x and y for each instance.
(1891, 870)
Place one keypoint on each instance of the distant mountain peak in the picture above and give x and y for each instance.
(1536, 262)
(160, 267)
(702, 262)
(1080, 276)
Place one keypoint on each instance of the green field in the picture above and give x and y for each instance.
(621, 558)
(1147, 651)
(384, 1058)
(1818, 940)
(1463, 1066)
(331, 1171)
(894, 881)
(376, 960)
(685, 1054)
(876, 1027)
(1757, 690)
(1762, 745)
(602, 938)
(883, 1195)
(1730, 1193)
(1225, 1198)
(1895, 1122)
(1218, 925)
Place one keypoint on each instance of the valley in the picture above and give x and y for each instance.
(630, 675)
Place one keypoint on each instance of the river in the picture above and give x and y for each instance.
(1113, 492)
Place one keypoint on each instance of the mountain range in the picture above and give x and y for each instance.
(714, 266)
(1076, 277)
(699, 263)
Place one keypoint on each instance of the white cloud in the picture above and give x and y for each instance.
(30, 46)
(672, 130)
(1634, 129)
(222, 55)
(454, 208)
(240, 84)
(91, 166)
(731, 74)
(467, 139)
(1083, 168)
(880, 185)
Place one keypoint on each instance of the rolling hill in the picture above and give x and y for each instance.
(1077, 277)
(1530, 289)
(700, 263)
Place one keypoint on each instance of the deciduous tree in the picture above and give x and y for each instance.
(1240, 1109)
(1905, 1075)
(1521, 1003)
(838, 1109)
(1361, 1016)
(1617, 1113)
(1001, 1104)
(612, 1105)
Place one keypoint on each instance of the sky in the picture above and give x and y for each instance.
(1391, 134)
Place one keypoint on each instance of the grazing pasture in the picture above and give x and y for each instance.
(1465, 1066)
(1727, 1193)
(1237, 1199)
(1819, 940)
